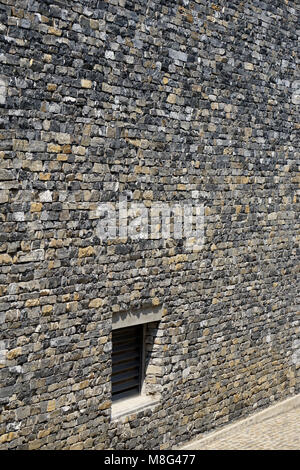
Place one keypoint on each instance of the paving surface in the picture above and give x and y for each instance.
(280, 432)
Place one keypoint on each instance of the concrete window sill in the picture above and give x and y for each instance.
(131, 405)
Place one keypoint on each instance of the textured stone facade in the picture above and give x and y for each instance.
(162, 101)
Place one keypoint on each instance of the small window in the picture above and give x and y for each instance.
(127, 361)
(137, 372)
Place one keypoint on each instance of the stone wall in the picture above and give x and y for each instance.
(160, 100)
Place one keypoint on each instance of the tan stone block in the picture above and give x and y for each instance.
(155, 301)
(47, 58)
(3, 438)
(55, 243)
(54, 148)
(32, 302)
(66, 149)
(72, 440)
(13, 353)
(51, 405)
(11, 436)
(155, 370)
(4, 196)
(43, 433)
(66, 297)
(63, 138)
(32, 165)
(20, 145)
(87, 128)
(178, 267)
(94, 24)
(135, 142)
(248, 131)
(35, 444)
(47, 309)
(148, 195)
(245, 179)
(79, 150)
(51, 87)
(78, 446)
(5, 259)
(44, 176)
(36, 207)
(84, 252)
(86, 83)
(55, 31)
(172, 98)
(105, 405)
(181, 258)
(84, 384)
(248, 66)
(96, 303)
(62, 157)
(12, 315)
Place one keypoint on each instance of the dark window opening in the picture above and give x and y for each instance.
(127, 360)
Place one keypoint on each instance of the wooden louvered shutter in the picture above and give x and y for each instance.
(127, 348)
